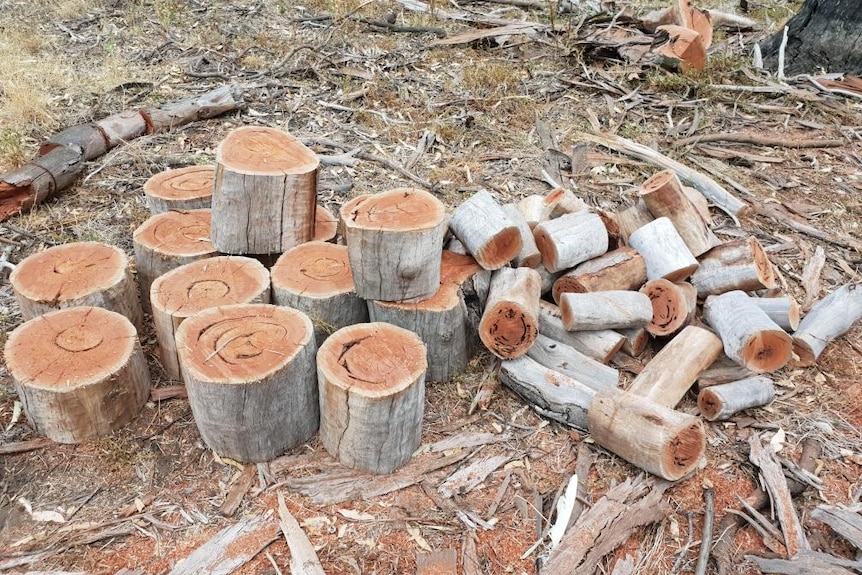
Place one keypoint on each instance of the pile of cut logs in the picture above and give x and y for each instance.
(277, 331)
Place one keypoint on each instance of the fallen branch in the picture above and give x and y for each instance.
(706, 537)
(758, 141)
(303, 558)
(24, 446)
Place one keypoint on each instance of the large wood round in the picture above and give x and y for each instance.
(188, 188)
(76, 274)
(249, 371)
(372, 393)
(80, 372)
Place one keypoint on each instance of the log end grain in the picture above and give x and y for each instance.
(673, 306)
(316, 269)
(397, 210)
(325, 225)
(182, 188)
(686, 448)
(510, 322)
(500, 250)
(177, 234)
(805, 356)
(260, 150)
(767, 351)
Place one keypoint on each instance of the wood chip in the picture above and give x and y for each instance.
(238, 490)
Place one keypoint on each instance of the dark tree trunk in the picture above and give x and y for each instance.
(826, 35)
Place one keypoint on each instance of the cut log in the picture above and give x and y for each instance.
(570, 240)
(601, 345)
(529, 256)
(605, 310)
(79, 372)
(186, 290)
(720, 402)
(348, 210)
(394, 242)
(664, 197)
(76, 274)
(188, 188)
(663, 250)
(325, 225)
(670, 374)
(37, 181)
(621, 269)
(535, 209)
(121, 127)
(372, 393)
(264, 193)
(737, 265)
(784, 311)
(510, 322)
(485, 230)
(683, 50)
(548, 278)
(673, 306)
(636, 340)
(315, 278)
(699, 201)
(167, 241)
(632, 219)
(750, 338)
(830, 318)
(455, 246)
(565, 202)
(572, 363)
(657, 439)
(249, 371)
(447, 322)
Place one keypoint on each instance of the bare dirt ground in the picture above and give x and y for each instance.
(157, 486)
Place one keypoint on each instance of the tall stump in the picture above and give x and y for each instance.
(249, 371)
(79, 372)
(188, 188)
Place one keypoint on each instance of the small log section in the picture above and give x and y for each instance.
(720, 402)
(663, 250)
(325, 225)
(569, 361)
(264, 193)
(670, 374)
(37, 181)
(633, 218)
(315, 278)
(79, 372)
(76, 274)
(372, 394)
(783, 310)
(605, 310)
(167, 241)
(830, 318)
(395, 242)
(601, 345)
(673, 306)
(750, 338)
(249, 371)
(485, 230)
(535, 209)
(737, 265)
(657, 439)
(570, 240)
(510, 323)
(444, 322)
(188, 188)
(529, 256)
(620, 269)
(636, 341)
(564, 202)
(188, 289)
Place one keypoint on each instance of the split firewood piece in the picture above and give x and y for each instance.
(673, 306)
(750, 338)
(565, 202)
(830, 318)
(737, 265)
(570, 240)
(79, 372)
(325, 225)
(529, 256)
(186, 290)
(76, 274)
(265, 192)
(554, 395)
(633, 218)
(167, 241)
(249, 371)
(510, 322)
(656, 438)
(303, 557)
(782, 310)
(348, 210)
(395, 241)
(572, 363)
(670, 374)
(720, 402)
(663, 250)
(612, 226)
(620, 269)
(485, 230)
(447, 322)
(188, 188)
(605, 310)
(535, 209)
(683, 48)
(636, 340)
(601, 345)
(664, 197)
(372, 394)
(315, 278)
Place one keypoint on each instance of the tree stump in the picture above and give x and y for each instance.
(663, 250)
(325, 225)
(372, 393)
(601, 345)
(315, 278)
(265, 192)
(167, 241)
(673, 306)
(621, 269)
(605, 310)
(183, 189)
(188, 289)
(485, 230)
(510, 322)
(76, 274)
(737, 265)
(250, 375)
(570, 240)
(79, 372)
(395, 243)
(529, 256)
(720, 402)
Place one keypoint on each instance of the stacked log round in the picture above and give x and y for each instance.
(673, 306)
(79, 372)
(620, 269)
(167, 241)
(737, 265)
(510, 322)
(76, 274)
(188, 289)
(372, 392)
(395, 242)
(720, 402)
(605, 310)
(315, 278)
(529, 256)
(188, 188)
(663, 250)
(325, 225)
(264, 193)
(249, 372)
(570, 240)
(485, 230)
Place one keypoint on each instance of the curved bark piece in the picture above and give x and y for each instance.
(570, 240)
(720, 402)
(37, 181)
(572, 363)
(621, 269)
(830, 318)
(601, 345)
(188, 188)
(510, 322)
(485, 230)
(529, 256)
(737, 265)
(673, 306)
(325, 225)
(663, 250)
(605, 310)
